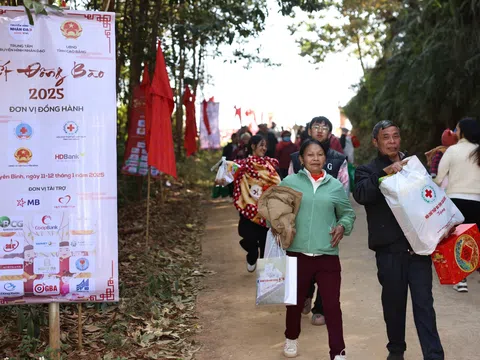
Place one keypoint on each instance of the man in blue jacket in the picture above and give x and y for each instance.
(399, 268)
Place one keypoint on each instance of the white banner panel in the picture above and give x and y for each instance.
(211, 141)
(58, 175)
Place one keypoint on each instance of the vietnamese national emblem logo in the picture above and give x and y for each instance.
(23, 155)
(429, 194)
(71, 29)
(23, 131)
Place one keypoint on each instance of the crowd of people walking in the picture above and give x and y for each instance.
(317, 166)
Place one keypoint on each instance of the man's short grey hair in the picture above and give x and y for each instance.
(245, 136)
(382, 125)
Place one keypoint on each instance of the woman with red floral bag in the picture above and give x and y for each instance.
(257, 173)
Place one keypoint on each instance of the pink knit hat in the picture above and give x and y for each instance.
(449, 138)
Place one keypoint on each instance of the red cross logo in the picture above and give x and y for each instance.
(21, 202)
(71, 127)
(429, 193)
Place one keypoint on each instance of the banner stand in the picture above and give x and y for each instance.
(148, 207)
(80, 327)
(54, 329)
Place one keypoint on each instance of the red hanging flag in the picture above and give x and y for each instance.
(190, 142)
(205, 117)
(160, 143)
(238, 112)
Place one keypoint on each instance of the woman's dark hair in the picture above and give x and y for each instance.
(309, 142)
(254, 140)
(470, 130)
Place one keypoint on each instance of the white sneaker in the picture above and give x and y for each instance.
(342, 356)
(251, 268)
(461, 286)
(290, 348)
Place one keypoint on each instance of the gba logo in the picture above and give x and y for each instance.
(11, 225)
(71, 29)
(47, 287)
(428, 194)
(11, 246)
(23, 155)
(69, 157)
(82, 264)
(23, 131)
(22, 203)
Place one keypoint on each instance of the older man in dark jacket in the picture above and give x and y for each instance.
(399, 268)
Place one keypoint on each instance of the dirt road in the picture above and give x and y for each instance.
(234, 328)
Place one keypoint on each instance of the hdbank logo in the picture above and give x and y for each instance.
(69, 157)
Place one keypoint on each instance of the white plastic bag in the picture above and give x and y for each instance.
(226, 171)
(422, 209)
(276, 276)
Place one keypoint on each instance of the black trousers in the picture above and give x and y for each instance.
(470, 210)
(254, 237)
(397, 272)
(318, 306)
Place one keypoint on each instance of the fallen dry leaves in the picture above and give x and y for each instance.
(155, 318)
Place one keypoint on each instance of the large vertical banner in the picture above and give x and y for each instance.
(212, 140)
(58, 208)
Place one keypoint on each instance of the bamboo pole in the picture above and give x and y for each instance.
(80, 327)
(54, 329)
(148, 207)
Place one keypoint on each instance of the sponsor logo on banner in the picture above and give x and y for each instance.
(69, 157)
(46, 287)
(82, 285)
(141, 131)
(83, 242)
(71, 131)
(46, 244)
(23, 155)
(20, 31)
(135, 150)
(27, 203)
(428, 194)
(141, 145)
(12, 288)
(23, 131)
(11, 223)
(71, 29)
(64, 202)
(47, 222)
(11, 245)
(46, 265)
(81, 226)
(9, 267)
(80, 264)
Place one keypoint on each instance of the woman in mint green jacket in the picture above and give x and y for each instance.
(325, 216)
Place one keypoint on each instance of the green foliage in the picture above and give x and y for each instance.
(427, 56)
(426, 80)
